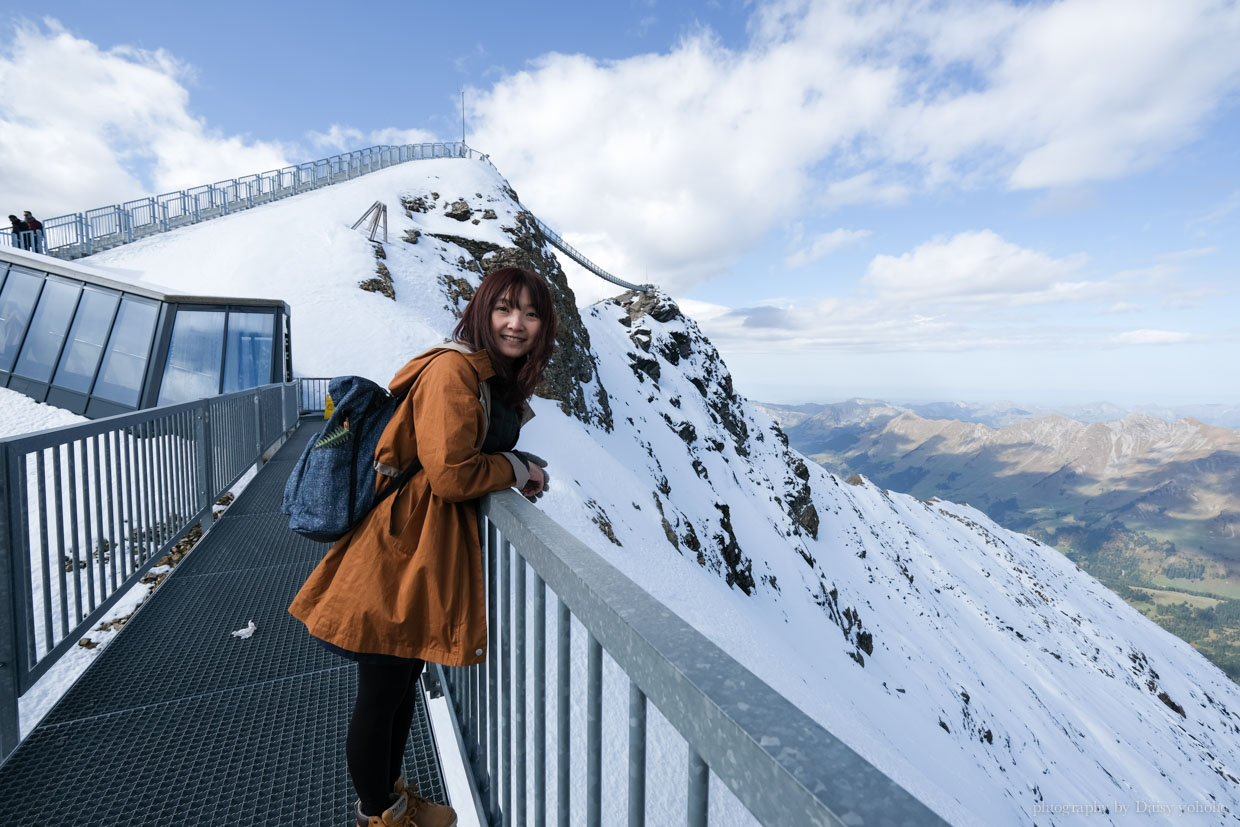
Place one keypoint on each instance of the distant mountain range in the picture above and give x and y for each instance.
(999, 414)
(1149, 506)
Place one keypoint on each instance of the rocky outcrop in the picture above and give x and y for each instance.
(679, 342)
(739, 567)
(848, 619)
(457, 291)
(800, 501)
(414, 204)
(572, 375)
(382, 283)
(459, 210)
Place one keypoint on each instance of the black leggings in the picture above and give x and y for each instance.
(379, 729)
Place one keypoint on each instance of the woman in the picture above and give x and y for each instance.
(19, 227)
(405, 586)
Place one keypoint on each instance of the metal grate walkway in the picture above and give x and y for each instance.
(179, 722)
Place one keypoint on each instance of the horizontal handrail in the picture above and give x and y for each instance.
(86, 510)
(572, 252)
(780, 764)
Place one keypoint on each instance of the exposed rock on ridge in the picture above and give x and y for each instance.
(572, 374)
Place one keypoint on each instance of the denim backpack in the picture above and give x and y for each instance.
(332, 486)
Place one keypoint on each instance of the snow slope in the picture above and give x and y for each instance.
(981, 670)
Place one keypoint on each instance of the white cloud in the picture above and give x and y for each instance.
(864, 188)
(868, 325)
(823, 245)
(121, 126)
(118, 126)
(346, 138)
(684, 159)
(1178, 256)
(1205, 222)
(1151, 337)
(977, 267)
(860, 325)
(974, 292)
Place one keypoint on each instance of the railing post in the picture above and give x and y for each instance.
(202, 444)
(699, 790)
(258, 428)
(637, 757)
(492, 777)
(563, 712)
(594, 732)
(11, 603)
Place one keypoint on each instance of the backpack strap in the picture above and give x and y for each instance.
(400, 477)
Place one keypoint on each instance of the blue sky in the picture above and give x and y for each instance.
(907, 200)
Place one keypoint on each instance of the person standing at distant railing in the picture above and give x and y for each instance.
(19, 232)
(405, 585)
(34, 241)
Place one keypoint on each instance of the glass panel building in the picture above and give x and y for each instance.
(73, 338)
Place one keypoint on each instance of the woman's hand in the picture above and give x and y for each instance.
(533, 489)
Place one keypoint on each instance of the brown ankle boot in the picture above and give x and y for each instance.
(397, 815)
(422, 811)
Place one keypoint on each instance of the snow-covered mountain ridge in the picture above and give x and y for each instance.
(978, 668)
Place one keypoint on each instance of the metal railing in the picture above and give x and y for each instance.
(312, 393)
(32, 240)
(82, 234)
(87, 509)
(572, 252)
(781, 765)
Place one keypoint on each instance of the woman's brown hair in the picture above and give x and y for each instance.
(518, 377)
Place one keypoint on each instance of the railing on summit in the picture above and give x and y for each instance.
(85, 233)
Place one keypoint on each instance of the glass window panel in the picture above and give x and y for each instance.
(47, 330)
(86, 340)
(124, 360)
(247, 356)
(288, 352)
(21, 289)
(193, 367)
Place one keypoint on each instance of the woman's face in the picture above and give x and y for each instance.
(515, 324)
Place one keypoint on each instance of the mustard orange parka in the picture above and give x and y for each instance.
(407, 580)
